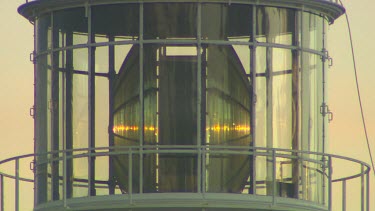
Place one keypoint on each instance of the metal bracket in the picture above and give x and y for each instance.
(326, 57)
(31, 112)
(32, 165)
(32, 57)
(324, 110)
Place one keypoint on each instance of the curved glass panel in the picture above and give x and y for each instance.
(312, 31)
(72, 21)
(170, 20)
(228, 118)
(276, 25)
(117, 20)
(226, 22)
(312, 123)
(277, 111)
(127, 117)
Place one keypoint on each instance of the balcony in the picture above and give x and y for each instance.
(273, 190)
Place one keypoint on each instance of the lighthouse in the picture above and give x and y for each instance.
(183, 105)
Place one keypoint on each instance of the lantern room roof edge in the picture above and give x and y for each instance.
(331, 9)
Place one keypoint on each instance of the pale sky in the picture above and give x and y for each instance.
(346, 136)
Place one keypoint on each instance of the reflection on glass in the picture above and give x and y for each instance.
(170, 20)
(312, 121)
(275, 25)
(226, 22)
(72, 21)
(80, 132)
(228, 118)
(126, 118)
(277, 110)
(116, 20)
(312, 30)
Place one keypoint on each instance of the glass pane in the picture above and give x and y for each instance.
(101, 59)
(177, 96)
(227, 173)
(151, 94)
(277, 102)
(287, 171)
(276, 25)
(117, 20)
(80, 178)
(226, 22)
(101, 175)
(121, 52)
(80, 59)
(264, 173)
(80, 111)
(101, 111)
(170, 20)
(227, 116)
(127, 118)
(312, 31)
(72, 21)
(177, 172)
(312, 99)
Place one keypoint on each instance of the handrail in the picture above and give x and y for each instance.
(193, 148)
(272, 153)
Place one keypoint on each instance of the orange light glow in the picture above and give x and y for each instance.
(125, 128)
(238, 128)
(215, 128)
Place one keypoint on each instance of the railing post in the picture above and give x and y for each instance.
(274, 191)
(330, 183)
(65, 184)
(344, 195)
(2, 192)
(362, 189)
(202, 152)
(130, 175)
(368, 190)
(17, 185)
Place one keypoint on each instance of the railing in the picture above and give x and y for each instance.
(17, 174)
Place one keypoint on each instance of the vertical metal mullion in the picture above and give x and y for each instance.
(269, 109)
(17, 185)
(200, 90)
(324, 121)
(303, 174)
(141, 98)
(296, 99)
(343, 195)
(65, 179)
(69, 118)
(253, 98)
(35, 129)
(55, 112)
(91, 105)
(63, 138)
(324, 86)
(111, 77)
